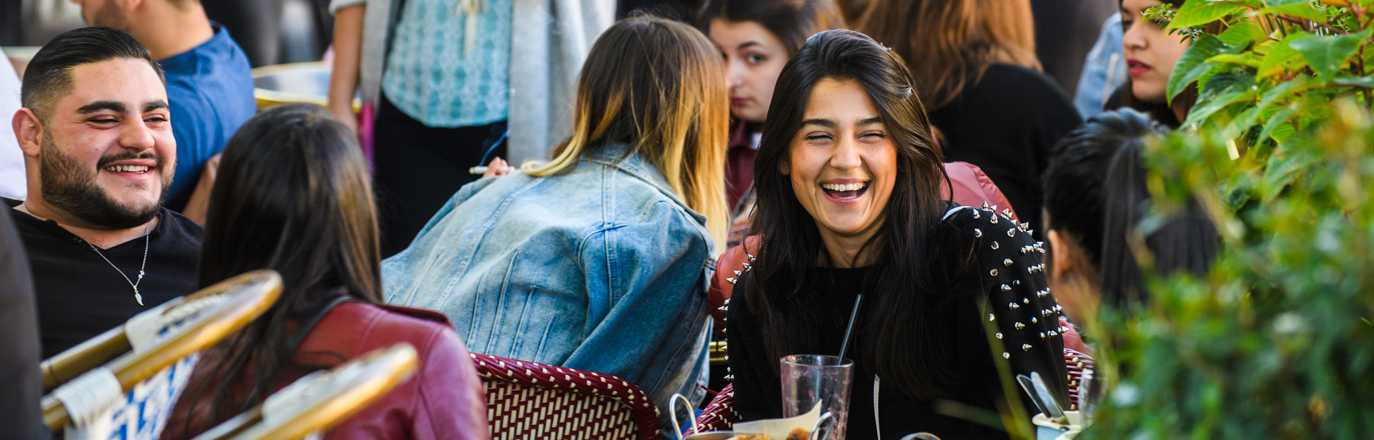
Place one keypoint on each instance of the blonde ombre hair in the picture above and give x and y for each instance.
(655, 85)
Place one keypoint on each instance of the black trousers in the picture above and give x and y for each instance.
(417, 169)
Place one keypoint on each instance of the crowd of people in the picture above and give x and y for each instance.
(811, 153)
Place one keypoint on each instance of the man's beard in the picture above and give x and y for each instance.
(71, 188)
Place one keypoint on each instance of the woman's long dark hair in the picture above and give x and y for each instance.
(293, 195)
(792, 21)
(896, 343)
(1186, 241)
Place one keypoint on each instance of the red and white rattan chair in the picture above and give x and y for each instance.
(1077, 362)
(528, 400)
(322, 399)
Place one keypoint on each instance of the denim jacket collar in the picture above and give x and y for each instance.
(622, 157)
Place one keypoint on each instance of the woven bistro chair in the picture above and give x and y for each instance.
(528, 400)
(87, 382)
(322, 399)
(1077, 361)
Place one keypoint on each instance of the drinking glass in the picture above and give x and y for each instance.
(808, 380)
(1090, 390)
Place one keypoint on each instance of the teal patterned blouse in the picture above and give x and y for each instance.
(438, 77)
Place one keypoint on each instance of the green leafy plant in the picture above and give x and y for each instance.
(1277, 342)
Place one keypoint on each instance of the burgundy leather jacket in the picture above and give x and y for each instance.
(443, 400)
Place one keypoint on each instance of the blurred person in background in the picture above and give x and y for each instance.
(20, 381)
(976, 70)
(284, 169)
(1104, 70)
(209, 82)
(756, 38)
(12, 184)
(1075, 195)
(597, 259)
(1151, 53)
(448, 85)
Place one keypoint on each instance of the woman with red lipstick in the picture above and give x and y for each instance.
(756, 38)
(848, 184)
(1150, 57)
(976, 70)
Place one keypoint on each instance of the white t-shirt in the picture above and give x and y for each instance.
(12, 183)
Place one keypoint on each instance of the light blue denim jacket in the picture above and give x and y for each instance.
(601, 269)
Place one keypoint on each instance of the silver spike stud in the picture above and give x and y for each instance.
(750, 257)
(731, 280)
(977, 232)
(999, 335)
(993, 272)
(1042, 335)
(992, 317)
(1025, 300)
(746, 265)
(1025, 347)
(1006, 262)
(975, 214)
(1033, 320)
(738, 273)
(985, 204)
(1006, 355)
(993, 220)
(1019, 325)
(1011, 232)
(1006, 288)
(995, 246)
(1013, 306)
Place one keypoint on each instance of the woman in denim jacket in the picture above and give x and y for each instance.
(596, 260)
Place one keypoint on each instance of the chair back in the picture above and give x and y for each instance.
(532, 400)
(88, 380)
(322, 399)
(1077, 361)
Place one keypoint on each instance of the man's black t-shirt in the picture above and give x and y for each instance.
(81, 296)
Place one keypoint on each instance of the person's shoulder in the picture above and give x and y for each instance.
(173, 221)
(395, 323)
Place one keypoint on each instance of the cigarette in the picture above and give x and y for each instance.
(483, 170)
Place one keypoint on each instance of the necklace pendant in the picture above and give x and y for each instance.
(138, 296)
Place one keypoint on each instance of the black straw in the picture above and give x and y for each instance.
(844, 346)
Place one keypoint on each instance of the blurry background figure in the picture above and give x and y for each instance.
(1150, 54)
(680, 10)
(1184, 240)
(450, 85)
(976, 70)
(1103, 71)
(20, 379)
(1064, 33)
(12, 185)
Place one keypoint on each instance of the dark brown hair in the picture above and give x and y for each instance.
(792, 21)
(896, 345)
(949, 44)
(49, 74)
(294, 195)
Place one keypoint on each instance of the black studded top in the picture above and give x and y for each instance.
(1004, 286)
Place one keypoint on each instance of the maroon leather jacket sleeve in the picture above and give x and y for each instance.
(971, 188)
(450, 402)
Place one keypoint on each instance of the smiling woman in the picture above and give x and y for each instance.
(848, 190)
(1151, 53)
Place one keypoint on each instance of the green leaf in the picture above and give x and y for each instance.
(1327, 55)
(1193, 65)
(1281, 57)
(1247, 59)
(1243, 33)
(1201, 12)
(1303, 10)
(1223, 91)
(1277, 121)
(1365, 81)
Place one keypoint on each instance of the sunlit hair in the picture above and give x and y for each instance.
(949, 44)
(792, 21)
(655, 85)
(294, 195)
(897, 339)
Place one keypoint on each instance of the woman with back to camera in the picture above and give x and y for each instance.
(976, 70)
(294, 195)
(596, 259)
(848, 192)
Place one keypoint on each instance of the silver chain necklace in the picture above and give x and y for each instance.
(137, 296)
